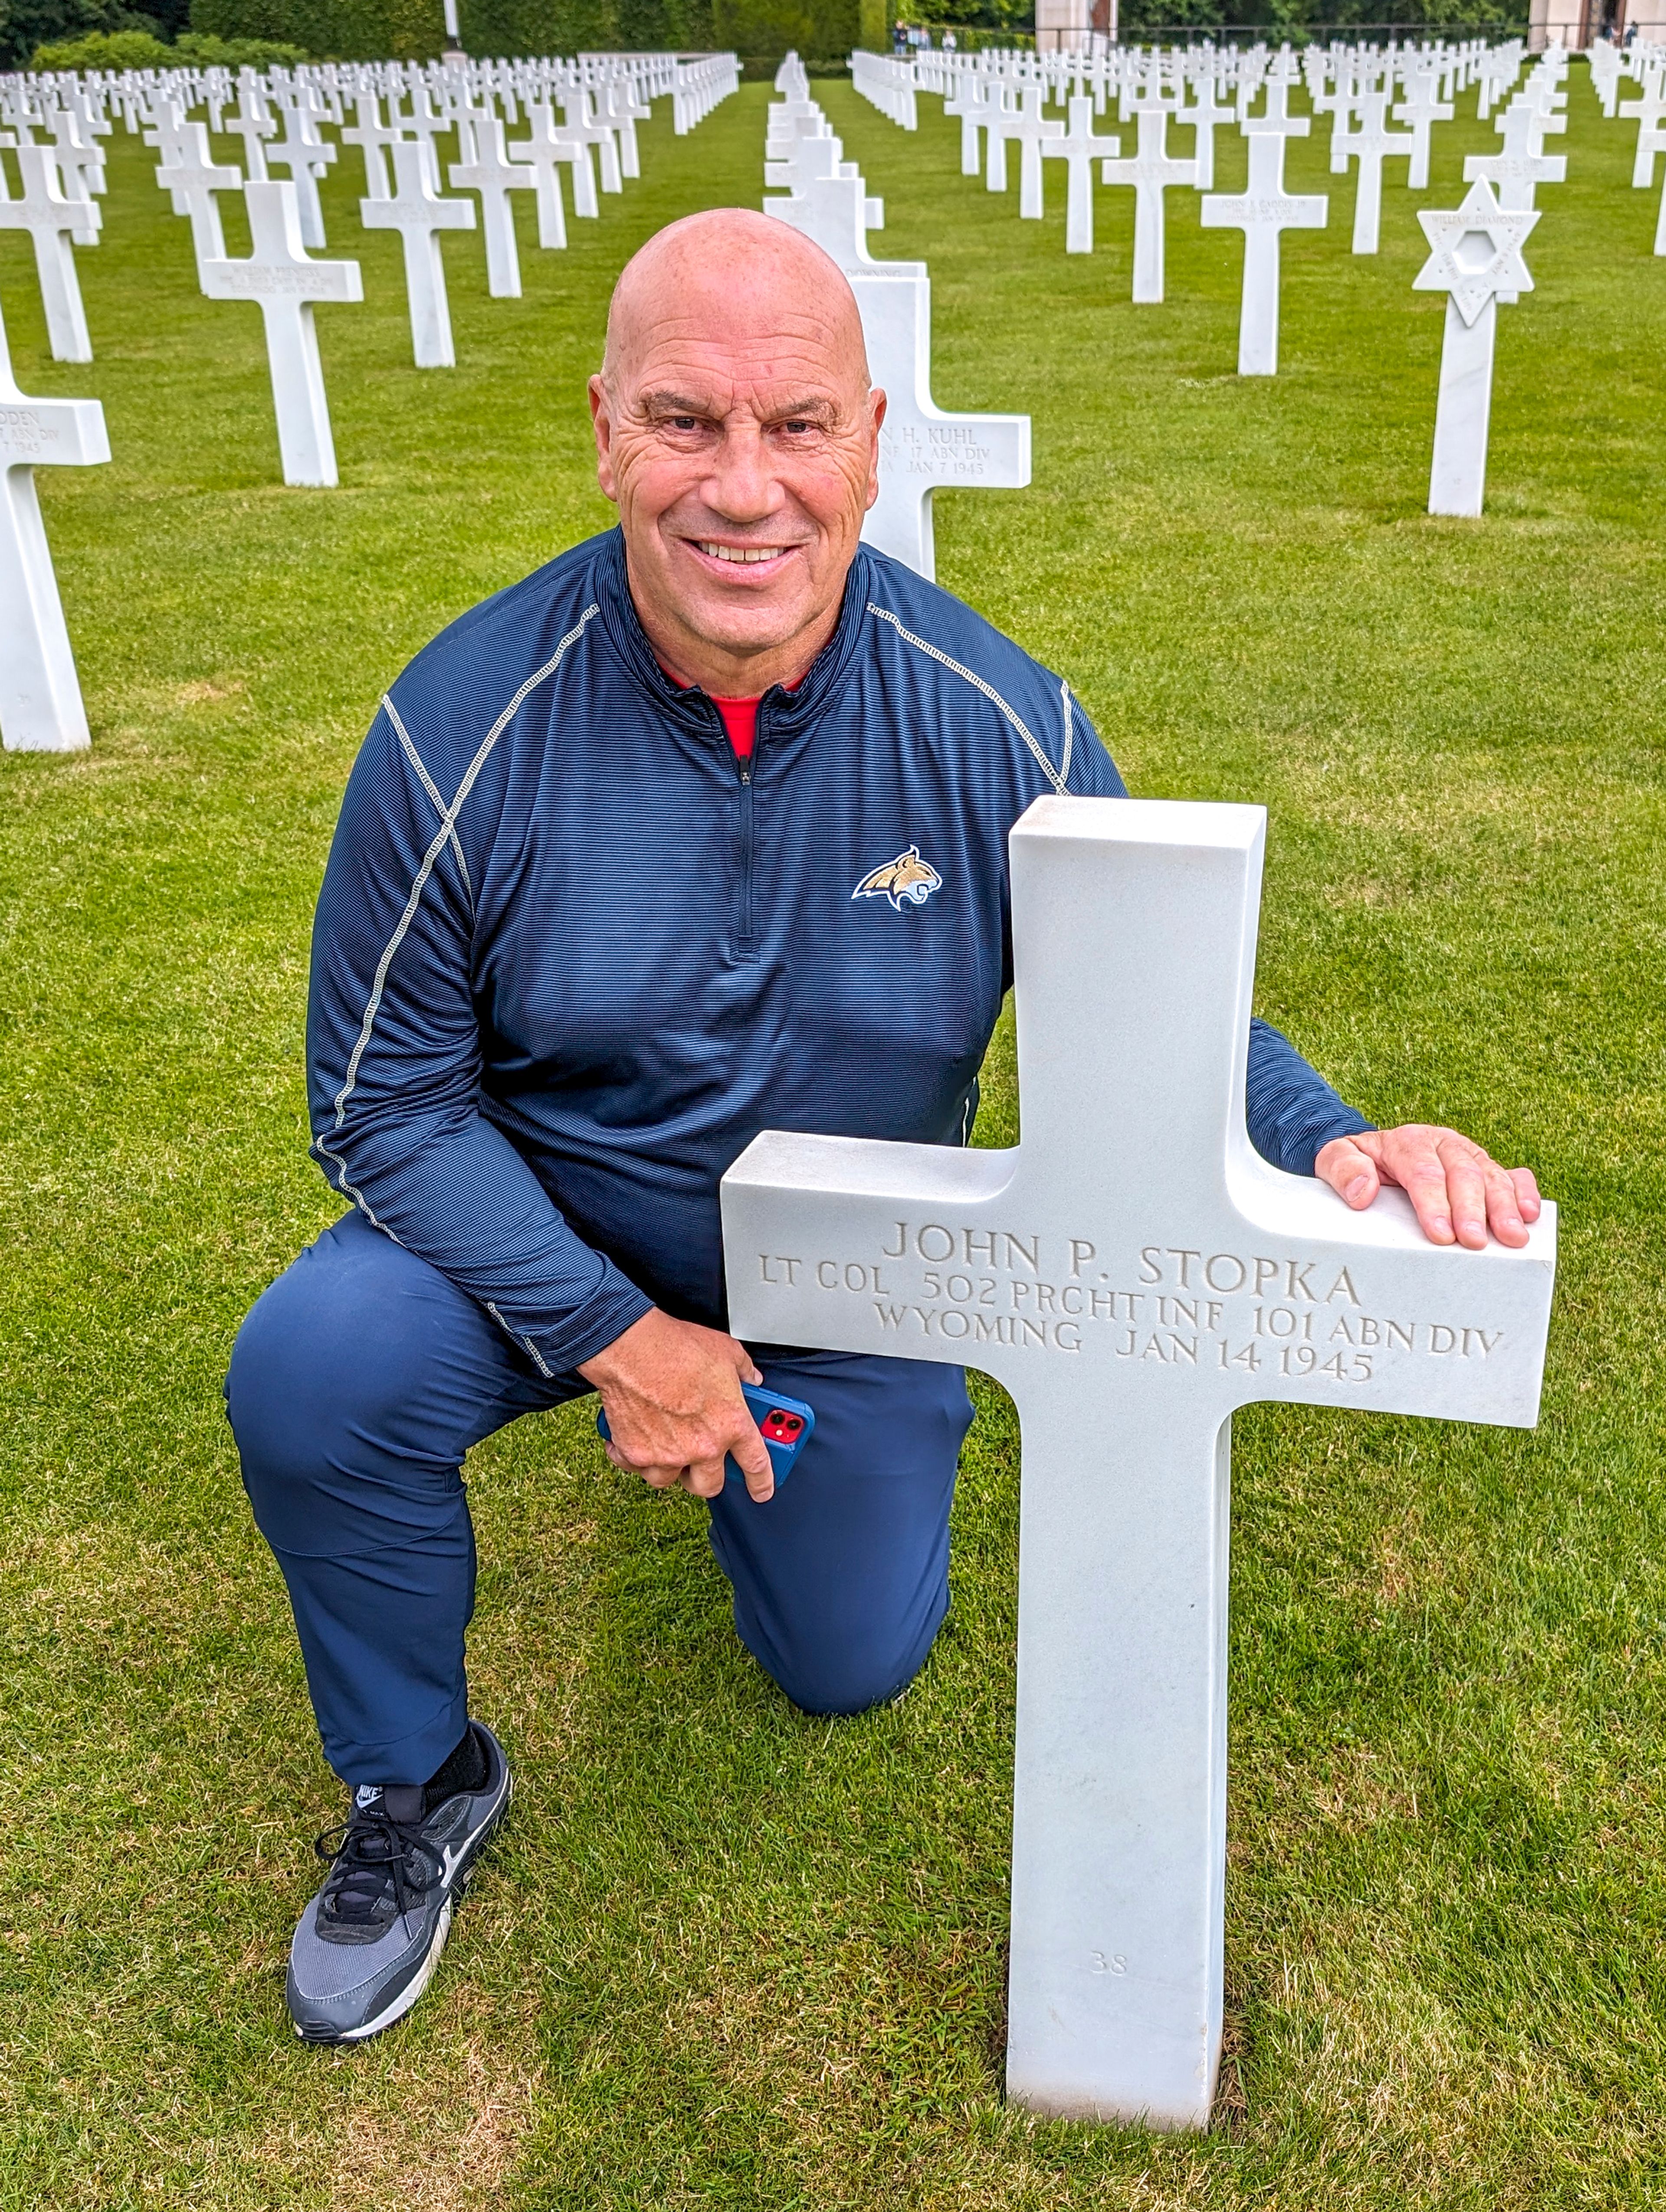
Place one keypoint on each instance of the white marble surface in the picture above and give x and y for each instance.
(1263, 211)
(1079, 148)
(494, 176)
(1475, 259)
(53, 222)
(1131, 1273)
(281, 280)
(1152, 170)
(419, 215)
(40, 703)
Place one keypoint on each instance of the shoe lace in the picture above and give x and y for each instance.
(368, 1853)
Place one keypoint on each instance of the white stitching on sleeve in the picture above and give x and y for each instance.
(428, 785)
(446, 829)
(924, 645)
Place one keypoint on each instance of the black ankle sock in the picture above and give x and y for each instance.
(465, 1767)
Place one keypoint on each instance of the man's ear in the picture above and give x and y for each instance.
(602, 423)
(876, 409)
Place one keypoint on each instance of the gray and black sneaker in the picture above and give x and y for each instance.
(367, 1945)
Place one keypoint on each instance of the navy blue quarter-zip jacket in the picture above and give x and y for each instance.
(571, 956)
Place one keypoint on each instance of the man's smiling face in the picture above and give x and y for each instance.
(736, 430)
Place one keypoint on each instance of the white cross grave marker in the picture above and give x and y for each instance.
(1422, 108)
(1031, 131)
(418, 213)
(370, 134)
(40, 703)
(1370, 145)
(1475, 259)
(307, 157)
(1132, 1273)
(491, 172)
(191, 175)
(253, 123)
(1261, 211)
(1078, 149)
(1203, 118)
(284, 284)
(1650, 113)
(1524, 165)
(970, 101)
(1151, 172)
(922, 448)
(545, 152)
(583, 127)
(53, 222)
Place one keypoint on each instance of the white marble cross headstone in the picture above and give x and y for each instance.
(80, 162)
(622, 112)
(253, 123)
(1030, 131)
(189, 174)
(370, 134)
(1524, 165)
(583, 127)
(491, 174)
(546, 153)
(1203, 117)
(419, 215)
(307, 157)
(1475, 259)
(970, 101)
(1151, 172)
(53, 222)
(1422, 108)
(1262, 211)
(1370, 145)
(1078, 149)
(1648, 111)
(1132, 1273)
(922, 449)
(40, 703)
(285, 285)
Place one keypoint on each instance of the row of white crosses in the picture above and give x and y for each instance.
(1644, 62)
(923, 449)
(1007, 103)
(600, 111)
(1476, 256)
(280, 121)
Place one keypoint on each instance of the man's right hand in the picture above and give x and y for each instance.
(671, 1393)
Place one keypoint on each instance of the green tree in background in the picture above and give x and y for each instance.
(27, 24)
(1321, 19)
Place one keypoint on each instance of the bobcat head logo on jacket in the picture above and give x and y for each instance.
(908, 877)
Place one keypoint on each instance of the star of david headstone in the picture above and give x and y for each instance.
(1476, 260)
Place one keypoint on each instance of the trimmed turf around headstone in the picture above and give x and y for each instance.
(724, 1955)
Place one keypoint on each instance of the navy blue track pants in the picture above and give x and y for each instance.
(361, 1377)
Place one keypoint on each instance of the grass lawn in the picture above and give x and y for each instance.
(725, 1955)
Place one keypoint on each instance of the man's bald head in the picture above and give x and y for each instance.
(734, 274)
(736, 430)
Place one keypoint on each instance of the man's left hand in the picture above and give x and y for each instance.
(1458, 1192)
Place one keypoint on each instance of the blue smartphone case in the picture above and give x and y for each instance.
(785, 1423)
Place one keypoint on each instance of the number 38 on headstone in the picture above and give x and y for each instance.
(1132, 1273)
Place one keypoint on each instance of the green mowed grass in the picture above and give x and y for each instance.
(725, 1955)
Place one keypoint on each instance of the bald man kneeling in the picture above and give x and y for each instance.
(701, 829)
